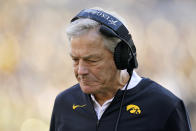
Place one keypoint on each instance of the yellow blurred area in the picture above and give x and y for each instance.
(35, 65)
(9, 54)
(34, 125)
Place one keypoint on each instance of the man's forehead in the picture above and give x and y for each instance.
(86, 56)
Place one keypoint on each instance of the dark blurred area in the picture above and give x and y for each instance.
(35, 64)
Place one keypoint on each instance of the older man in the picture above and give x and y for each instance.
(110, 96)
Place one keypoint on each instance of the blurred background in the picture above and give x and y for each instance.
(35, 65)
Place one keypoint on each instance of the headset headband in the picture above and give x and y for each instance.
(108, 20)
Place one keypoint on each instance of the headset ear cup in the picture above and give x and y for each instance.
(121, 55)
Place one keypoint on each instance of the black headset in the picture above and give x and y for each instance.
(125, 51)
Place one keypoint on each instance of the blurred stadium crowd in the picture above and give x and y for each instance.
(35, 65)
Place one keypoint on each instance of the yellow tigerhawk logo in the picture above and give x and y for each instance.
(76, 106)
(134, 109)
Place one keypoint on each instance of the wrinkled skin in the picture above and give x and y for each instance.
(94, 66)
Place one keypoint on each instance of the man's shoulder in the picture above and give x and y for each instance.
(74, 91)
(162, 94)
(163, 91)
(150, 89)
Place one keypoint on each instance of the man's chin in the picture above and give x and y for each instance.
(87, 89)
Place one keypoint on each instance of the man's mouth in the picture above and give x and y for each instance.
(84, 82)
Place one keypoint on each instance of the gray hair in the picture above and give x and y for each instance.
(84, 25)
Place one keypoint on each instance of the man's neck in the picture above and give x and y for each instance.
(102, 97)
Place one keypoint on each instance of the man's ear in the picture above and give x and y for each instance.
(124, 76)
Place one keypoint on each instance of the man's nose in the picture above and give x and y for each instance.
(82, 68)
